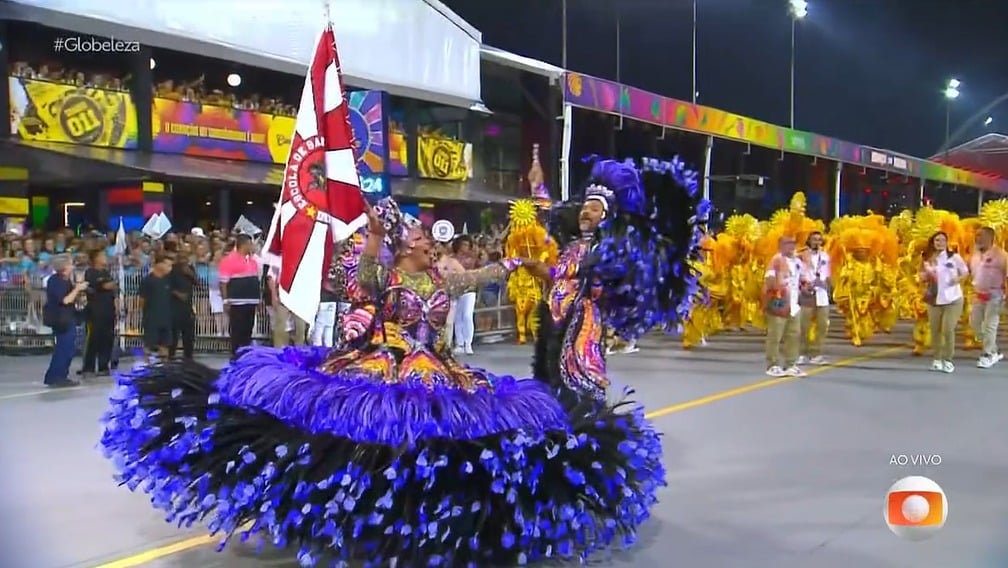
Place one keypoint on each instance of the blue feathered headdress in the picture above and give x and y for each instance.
(617, 186)
(644, 247)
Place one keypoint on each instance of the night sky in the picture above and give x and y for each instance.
(868, 71)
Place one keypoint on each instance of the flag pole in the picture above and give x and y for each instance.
(325, 7)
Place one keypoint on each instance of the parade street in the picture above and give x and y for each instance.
(778, 473)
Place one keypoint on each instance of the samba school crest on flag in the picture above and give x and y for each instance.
(321, 200)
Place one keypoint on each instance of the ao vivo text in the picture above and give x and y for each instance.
(915, 459)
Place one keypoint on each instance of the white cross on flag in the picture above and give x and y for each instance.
(320, 201)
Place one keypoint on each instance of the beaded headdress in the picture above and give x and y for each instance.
(395, 223)
(616, 185)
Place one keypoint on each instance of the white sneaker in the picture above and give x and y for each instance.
(801, 360)
(998, 356)
(630, 349)
(468, 350)
(948, 367)
(794, 371)
(818, 360)
(937, 365)
(458, 350)
(775, 371)
(986, 361)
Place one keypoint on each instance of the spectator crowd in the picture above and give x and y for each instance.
(28, 260)
(188, 91)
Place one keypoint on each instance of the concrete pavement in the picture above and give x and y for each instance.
(762, 474)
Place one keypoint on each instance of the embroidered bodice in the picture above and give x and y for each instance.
(582, 365)
(418, 302)
(565, 282)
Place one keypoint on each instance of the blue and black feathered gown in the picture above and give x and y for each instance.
(340, 467)
(400, 474)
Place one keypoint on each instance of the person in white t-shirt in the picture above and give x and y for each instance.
(815, 310)
(782, 286)
(943, 271)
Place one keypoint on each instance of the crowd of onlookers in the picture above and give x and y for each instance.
(190, 91)
(26, 260)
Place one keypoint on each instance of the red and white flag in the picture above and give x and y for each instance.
(320, 201)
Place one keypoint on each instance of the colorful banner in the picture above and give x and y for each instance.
(54, 112)
(613, 98)
(368, 124)
(212, 131)
(443, 158)
(398, 164)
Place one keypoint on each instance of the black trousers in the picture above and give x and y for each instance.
(242, 319)
(184, 328)
(98, 347)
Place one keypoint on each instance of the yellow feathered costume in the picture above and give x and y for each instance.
(994, 214)
(744, 281)
(527, 238)
(705, 319)
(864, 251)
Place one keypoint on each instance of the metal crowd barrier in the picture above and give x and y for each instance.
(22, 297)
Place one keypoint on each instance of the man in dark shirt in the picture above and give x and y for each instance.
(156, 305)
(183, 281)
(100, 313)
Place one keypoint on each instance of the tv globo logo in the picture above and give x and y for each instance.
(916, 508)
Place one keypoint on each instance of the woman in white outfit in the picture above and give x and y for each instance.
(943, 271)
(446, 264)
(465, 324)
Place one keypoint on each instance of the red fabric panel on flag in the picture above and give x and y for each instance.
(307, 187)
(345, 202)
(124, 196)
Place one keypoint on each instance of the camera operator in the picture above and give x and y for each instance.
(99, 314)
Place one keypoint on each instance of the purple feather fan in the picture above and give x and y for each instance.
(284, 383)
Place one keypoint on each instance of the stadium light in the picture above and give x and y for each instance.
(798, 8)
(234, 79)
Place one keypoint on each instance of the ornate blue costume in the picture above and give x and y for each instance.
(374, 466)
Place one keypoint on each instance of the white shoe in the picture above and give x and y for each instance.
(948, 367)
(818, 360)
(986, 361)
(468, 350)
(630, 349)
(775, 371)
(458, 351)
(794, 371)
(802, 360)
(937, 365)
(998, 356)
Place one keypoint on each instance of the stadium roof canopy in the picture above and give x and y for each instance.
(987, 154)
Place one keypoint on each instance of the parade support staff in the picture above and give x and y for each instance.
(61, 316)
(943, 270)
(156, 307)
(240, 286)
(815, 309)
(782, 286)
(183, 283)
(101, 315)
(989, 267)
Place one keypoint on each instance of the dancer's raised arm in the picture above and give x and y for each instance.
(458, 282)
(370, 272)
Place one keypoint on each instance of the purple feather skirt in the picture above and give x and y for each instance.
(343, 469)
